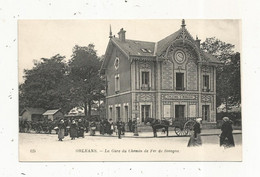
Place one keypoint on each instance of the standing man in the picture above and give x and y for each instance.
(130, 125)
(134, 123)
(102, 127)
(81, 128)
(119, 127)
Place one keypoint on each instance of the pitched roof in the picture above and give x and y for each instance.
(151, 49)
(135, 47)
(51, 112)
(33, 110)
(167, 41)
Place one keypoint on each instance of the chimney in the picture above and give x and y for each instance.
(121, 35)
(197, 42)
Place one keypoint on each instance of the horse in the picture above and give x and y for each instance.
(158, 124)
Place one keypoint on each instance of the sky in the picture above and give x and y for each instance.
(45, 38)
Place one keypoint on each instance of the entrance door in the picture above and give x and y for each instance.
(145, 112)
(179, 111)
(205, 112)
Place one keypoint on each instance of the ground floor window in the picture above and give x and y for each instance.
(110, 113)
(145, 112)
(205, 112)
(117, 113)
(126, 113)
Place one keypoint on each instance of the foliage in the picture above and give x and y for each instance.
(45, 85)
(86, 84)
(52, 83)
(228, 74)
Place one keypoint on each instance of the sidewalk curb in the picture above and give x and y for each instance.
(171, 136)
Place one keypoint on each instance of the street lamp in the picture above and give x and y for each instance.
(136, 131)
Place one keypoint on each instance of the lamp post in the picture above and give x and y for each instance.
(136, 130)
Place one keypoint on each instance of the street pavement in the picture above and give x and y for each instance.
(46, 147)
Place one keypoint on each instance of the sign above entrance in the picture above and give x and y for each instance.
(179, 97)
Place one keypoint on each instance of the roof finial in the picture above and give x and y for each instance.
(110, 32)
(183, 23)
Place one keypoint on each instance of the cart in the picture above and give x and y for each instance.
(182, 126)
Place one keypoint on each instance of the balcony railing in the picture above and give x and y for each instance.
(205, 89)
(145, 87)
(180, 88)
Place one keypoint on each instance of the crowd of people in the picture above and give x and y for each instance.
(76, 128)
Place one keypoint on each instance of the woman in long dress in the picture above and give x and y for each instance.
(61, 131)
(195, 139)
(226, 137)
(73, 130)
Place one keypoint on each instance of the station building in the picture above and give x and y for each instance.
(171, 78)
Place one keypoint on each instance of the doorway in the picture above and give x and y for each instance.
(179, 111)
(145, 112)
(205, 112)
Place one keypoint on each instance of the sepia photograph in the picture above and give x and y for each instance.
(129, 90)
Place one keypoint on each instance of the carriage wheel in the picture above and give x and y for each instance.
(188, 126)
(180, 131)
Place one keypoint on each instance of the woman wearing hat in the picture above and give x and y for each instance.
(195, 139)
(61, 127)
(73, 130)
(226, 137)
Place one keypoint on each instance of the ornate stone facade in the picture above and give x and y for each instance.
(167, 75)
(167, 78)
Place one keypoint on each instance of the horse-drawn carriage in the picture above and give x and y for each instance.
(182, 126)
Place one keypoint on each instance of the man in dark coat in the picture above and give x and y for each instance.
(81, 128)
(86, 125)
(119, 125)
(107, 126)
(134, 124)
(102, 127)
(226, 137)
(130, 125)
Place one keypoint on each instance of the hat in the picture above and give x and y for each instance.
(79, 120)
(198, 120)
(73, 122)
(225, 119)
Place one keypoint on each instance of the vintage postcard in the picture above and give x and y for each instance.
(130, 90)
